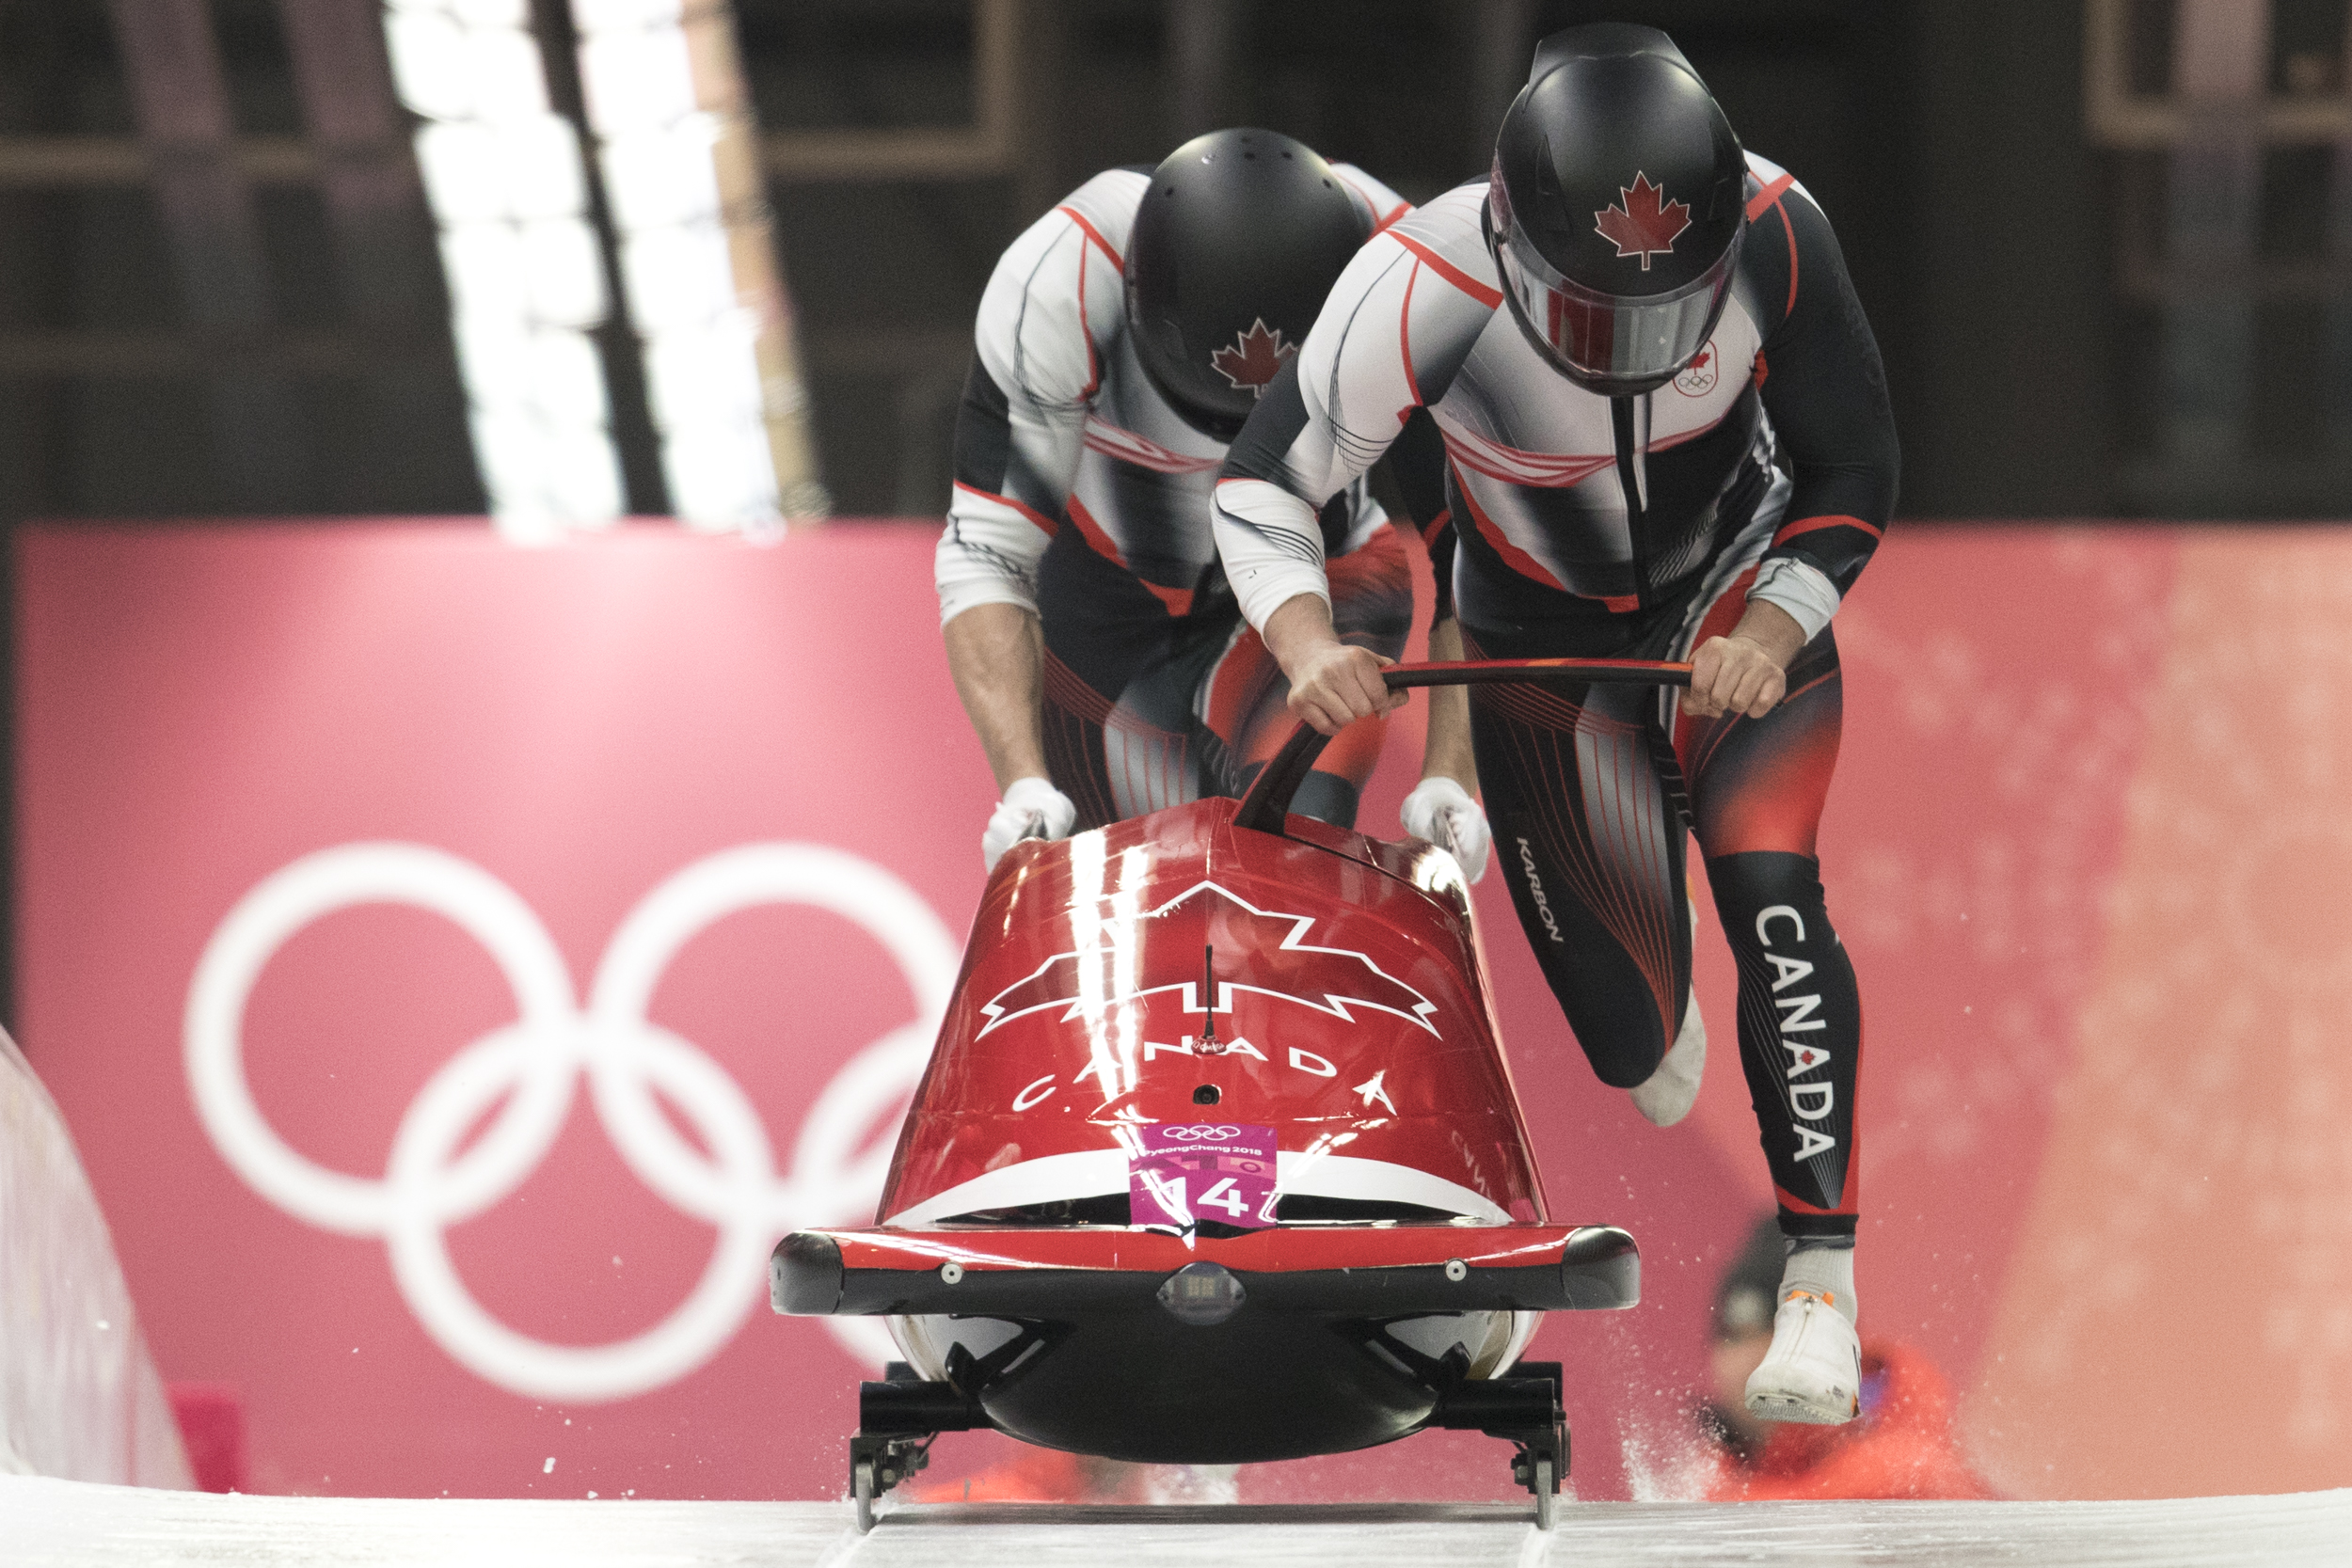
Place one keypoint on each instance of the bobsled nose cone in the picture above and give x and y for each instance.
(1202, 1294)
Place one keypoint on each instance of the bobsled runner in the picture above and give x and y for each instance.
(1218, 1158)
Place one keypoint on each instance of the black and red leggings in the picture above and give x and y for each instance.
(1589, 799)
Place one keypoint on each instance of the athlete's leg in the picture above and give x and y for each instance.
(1244, 702)
(1590, 837)
(1756, 790)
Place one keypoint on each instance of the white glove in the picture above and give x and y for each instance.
(1032, 808)
(1440, 811)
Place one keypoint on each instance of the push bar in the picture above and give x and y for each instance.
(1266, 805)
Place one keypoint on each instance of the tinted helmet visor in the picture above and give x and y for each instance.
(1614, 344)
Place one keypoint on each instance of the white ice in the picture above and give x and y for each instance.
(45, 1522)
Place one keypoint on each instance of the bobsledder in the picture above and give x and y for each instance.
(1218, 1159)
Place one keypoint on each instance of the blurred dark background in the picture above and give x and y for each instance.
(2104, 286)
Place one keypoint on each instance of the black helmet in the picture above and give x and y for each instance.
(1617, 207)
(1239, 238)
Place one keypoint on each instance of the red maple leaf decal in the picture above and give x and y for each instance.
(1646, 225)
(1253, 359)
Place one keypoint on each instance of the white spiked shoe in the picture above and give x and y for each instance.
(1666, 1096)
(1813, 1372)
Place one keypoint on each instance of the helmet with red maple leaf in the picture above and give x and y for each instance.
(1617, 207)
(1240, 235)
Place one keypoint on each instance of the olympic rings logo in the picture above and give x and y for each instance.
(1198, 1134)
(534, 1065)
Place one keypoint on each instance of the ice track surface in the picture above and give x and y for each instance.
(47, 1522)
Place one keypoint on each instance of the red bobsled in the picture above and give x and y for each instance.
(1218, 1158)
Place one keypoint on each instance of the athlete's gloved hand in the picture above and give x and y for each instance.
(1442, 811)
(1032, 808)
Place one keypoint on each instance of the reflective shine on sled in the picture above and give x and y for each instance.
(1080, 1244)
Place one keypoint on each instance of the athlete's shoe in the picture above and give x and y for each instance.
(1666, 1096)
(1813, 1372)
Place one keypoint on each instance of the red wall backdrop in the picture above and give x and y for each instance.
(679, 834)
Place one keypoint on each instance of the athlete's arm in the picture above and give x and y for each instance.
(1826, 392)
(1050, 303)
(1332, 683)
(1416, 461)
(995, 652)
(985, 571)
(1447, 751)
(1270, 538)
(1443, 808)
(1825, 389)
(1390, 338)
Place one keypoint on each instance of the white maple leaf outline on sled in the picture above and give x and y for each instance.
(1334, 1003)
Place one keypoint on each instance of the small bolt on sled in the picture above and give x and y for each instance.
(1217, 1160)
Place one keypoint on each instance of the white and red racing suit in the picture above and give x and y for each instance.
(1082, 496)
(1586, 526)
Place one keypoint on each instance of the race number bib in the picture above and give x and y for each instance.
(1211, 1170)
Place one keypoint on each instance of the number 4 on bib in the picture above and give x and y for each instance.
(1226, 1197)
